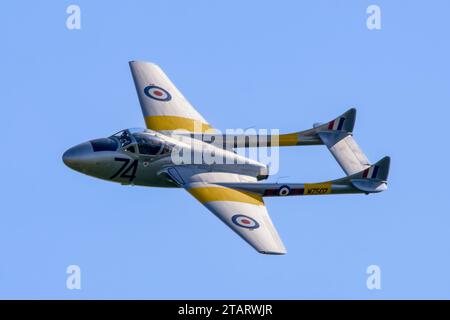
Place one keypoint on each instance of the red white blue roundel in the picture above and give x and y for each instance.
(284, 191)
(157, 93)
(244, 221)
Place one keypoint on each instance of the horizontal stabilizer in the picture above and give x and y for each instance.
(337, 135)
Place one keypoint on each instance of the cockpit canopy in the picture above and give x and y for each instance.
(133, 140)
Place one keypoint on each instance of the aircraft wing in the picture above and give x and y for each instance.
(163, 105)
(244, 212)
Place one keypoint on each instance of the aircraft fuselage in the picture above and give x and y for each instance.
(145, 158)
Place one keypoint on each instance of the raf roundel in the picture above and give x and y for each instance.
(245, 221)
(284, 191)
(157, 93)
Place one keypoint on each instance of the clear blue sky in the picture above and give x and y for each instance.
(266, 64)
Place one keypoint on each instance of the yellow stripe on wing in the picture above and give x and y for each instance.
(209, 194)
(171, 123)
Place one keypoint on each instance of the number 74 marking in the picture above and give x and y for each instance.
(124, 170)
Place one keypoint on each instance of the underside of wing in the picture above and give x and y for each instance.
(244, 212)
(163, 105)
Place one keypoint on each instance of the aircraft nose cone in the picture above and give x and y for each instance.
(77, 156)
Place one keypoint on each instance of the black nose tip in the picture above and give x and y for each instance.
(76, 156)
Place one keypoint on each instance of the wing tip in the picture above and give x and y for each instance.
(133, 62)
(273, 253)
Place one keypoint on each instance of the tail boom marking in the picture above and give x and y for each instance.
(371, 172)
(336, 124)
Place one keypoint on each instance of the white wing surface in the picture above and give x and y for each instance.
(163, 105)
(244, 212)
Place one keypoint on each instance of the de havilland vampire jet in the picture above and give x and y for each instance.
(229, 189)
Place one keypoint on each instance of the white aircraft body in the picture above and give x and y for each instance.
(228, 188)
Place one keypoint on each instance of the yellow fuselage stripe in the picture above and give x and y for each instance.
(285, 140)
(171, 123)
(317, 188)
(209, 194)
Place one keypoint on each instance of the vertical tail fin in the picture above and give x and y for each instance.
(374, 178)
(344, 122)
